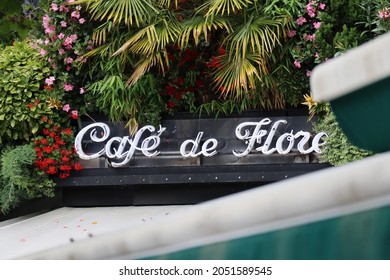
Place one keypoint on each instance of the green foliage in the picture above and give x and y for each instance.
(19, 179)
(140, 101)
(22, 102)
(237, 42)
(338, 149)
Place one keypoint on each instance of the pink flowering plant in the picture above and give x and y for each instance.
(305, 53)
(63, 41)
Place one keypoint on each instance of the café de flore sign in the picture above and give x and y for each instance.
(187, 160)
(262, 137)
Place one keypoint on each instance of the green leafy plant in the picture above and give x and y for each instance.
(338, 149)
(22, 100)
(19, 180)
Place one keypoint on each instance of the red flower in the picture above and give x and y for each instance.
(47, 149)
(46, 131)
(171, 104)
(77, 166)
(65, 167)
(67, 131)
(30, 106)
(171, 90)
(51, 170)
(64, 175)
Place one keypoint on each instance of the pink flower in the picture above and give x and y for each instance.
(49, 30)
(81, 21)
(69, 1)
(311, 14)
(68, 87)
(310, 37)
(291, 33)
(301, 20)
(68, 60)
(311, 10)
(316, 25)
(50, 81)
(45, 21)
(75, 14)
(42, 52)
(321, 6)
(308, 73)
(73, 37)
(63, 24)
(384, 13)
(66, 108)
(54, 6)
(47, 41)
(61, 36)
(82, 90)
(68, 68)
(61, 51)
(316, 55)
(297, 64)
(63, 8)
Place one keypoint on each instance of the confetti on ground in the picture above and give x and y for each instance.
(94, 222)
(23, 240)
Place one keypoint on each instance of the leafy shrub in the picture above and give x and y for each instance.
(338, 149)
(22, 102)
(19, 179)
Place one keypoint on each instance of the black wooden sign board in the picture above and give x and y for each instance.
(188, 160)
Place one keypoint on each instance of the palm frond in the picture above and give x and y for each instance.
(160, 59)
(201, 26)
(153, 37)
(134, 12)
(222, 7)
(259, 35)
(237, 75)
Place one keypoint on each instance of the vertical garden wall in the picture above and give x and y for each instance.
(138, 61)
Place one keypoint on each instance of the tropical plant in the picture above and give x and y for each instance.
(140, 34)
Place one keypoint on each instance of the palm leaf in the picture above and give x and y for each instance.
(146, 63)
(222, 7)
(201, 26)
(129, 12)
(237, 75)
(153, 37)
(259, 35)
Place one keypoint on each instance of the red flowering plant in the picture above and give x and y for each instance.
(55, 150)
(63, 41)
(185, 85)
